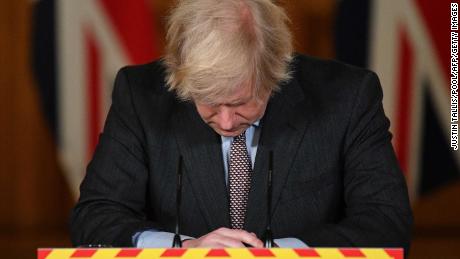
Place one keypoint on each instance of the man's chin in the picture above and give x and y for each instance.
(225, 133)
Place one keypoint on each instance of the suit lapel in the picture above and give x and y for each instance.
(283, 128)
(201, 150)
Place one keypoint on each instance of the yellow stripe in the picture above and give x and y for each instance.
(149, 254)
(330, 253)
(60, 253)
(105, 253)
(376, 253)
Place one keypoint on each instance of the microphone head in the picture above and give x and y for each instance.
(268, 239)
(177, 242)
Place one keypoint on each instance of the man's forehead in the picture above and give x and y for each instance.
(239, 95)
(240, 99)
(242, 93)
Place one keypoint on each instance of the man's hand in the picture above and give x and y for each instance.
(225, 237)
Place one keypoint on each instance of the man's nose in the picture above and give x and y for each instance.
(226, 116)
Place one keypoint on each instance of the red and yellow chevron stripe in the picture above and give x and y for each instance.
(228, 253)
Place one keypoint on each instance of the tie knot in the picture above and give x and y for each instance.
(242, 136)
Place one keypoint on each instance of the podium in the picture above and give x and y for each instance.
(224, 253)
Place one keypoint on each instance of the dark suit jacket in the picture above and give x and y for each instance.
(336, 180)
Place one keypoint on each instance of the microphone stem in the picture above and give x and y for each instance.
(268, 242)
(177, 241)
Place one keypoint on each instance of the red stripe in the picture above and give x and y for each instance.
(93, 91)
(217, 253)
(173, 252)
(396, 253)
(351, 252)
(307, 252)
(262, 252)
(129, 252)
(436, 18)
(404, 107)
(43, 253)
(133, 22)
(83, 253)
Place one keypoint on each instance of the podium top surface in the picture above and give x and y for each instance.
(221, 253)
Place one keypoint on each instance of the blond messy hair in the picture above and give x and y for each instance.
(215, 46)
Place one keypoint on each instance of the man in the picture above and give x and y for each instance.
(228, 92)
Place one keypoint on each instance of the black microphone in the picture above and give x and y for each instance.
(177, 242)
(268, 237)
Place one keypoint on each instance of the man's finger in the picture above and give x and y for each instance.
(251, 240)
(241, 235)
(218, 241)
(229, 242)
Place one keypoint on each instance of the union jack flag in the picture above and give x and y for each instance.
(407, 42)
(78, 48)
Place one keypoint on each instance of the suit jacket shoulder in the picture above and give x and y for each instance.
(330, 82)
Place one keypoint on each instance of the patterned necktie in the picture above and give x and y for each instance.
(240, 171)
